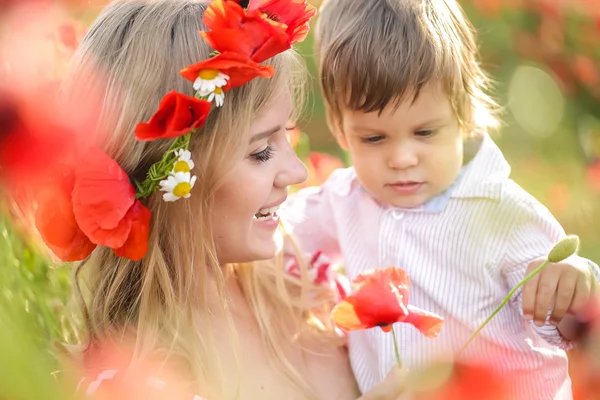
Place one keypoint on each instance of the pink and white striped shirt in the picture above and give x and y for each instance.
(463, 251)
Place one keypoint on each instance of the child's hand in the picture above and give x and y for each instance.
(564, 287)
(390, 388)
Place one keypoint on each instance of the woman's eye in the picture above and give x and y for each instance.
(263, 155)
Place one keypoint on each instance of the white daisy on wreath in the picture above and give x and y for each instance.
(184, 162)
(218, 96)
(177, 186)
(208, 80)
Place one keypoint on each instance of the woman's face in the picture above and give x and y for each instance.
(244, 216)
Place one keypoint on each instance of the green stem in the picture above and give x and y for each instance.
(396, 348)
(161, 169)
(506, 299)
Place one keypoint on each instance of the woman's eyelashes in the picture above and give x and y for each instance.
(264, 155)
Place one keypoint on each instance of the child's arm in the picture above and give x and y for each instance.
(534, 233)
(309, 217)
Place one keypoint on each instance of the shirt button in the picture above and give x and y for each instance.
(397, 214)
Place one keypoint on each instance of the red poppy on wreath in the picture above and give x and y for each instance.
(238, 69)
(295, 14)
(91, 204)
(177, 115)
(231, 29)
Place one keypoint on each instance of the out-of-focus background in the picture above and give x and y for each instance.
(544, 56)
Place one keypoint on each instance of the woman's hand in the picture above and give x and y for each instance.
(390, 388)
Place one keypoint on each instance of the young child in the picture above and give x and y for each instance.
(430, 192)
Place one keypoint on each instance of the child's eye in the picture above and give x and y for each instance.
(373, 139)
(263, 155)
(290, 127)
(425, 132)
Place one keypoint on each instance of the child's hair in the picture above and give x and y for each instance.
(376, 52)
(135, 50)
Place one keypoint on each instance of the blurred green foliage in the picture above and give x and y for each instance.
(34, 315)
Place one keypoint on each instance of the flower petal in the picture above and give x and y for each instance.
(344, 316)
(102, 196)
(429, 324)
(295, 14)
(136, 245)
(177, 115)
(169, 196)
(396, 277)
(239, 67)
(55, 221)
(376, 305)
(251, 34)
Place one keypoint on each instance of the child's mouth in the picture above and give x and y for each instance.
(406, 188)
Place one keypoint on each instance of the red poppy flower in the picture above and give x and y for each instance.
(177, 115)
(31, 139)
(55, 220)
(136, 245)
(465, 382)
(231, 29)
(93, 204)
(238, 67)
(380, 298)
(295, 14)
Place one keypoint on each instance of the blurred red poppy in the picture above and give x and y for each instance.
(466, 382)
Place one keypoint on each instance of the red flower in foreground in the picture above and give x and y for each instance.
(252, 34)
(93, 204)
(113, 371)
(177, 115)
(238, 67)
(295, 14)
(464, 382)
(31, 139)
(380, 298)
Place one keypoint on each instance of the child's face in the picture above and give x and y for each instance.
(408, 154)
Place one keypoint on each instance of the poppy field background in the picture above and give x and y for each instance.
(544, 56)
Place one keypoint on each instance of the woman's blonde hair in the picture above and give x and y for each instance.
(137, 48)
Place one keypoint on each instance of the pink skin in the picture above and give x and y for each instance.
(259, 180)
(405, 155)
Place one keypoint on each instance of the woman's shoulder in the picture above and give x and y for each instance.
(118, 384)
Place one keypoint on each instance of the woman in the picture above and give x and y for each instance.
(202, 299)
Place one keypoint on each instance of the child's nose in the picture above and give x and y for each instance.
(402, 157)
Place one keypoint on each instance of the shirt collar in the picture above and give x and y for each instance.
(485, 173)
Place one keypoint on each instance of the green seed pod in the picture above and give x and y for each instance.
(564, 248)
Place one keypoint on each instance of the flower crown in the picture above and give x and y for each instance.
(96, 204)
